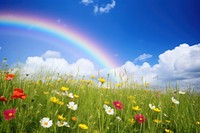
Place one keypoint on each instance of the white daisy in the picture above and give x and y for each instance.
(71, 95)
(61, 124)
(174, 100)
(72, 105)
(109, 111)
(46, 122)
(182, 92)
(152, 107)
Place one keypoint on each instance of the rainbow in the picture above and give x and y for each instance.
(68, 34)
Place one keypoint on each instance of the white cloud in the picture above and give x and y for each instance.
(181, 64)
(107, 8)
(51, 54)
(86, 2)
(38, 65)
(143, 57)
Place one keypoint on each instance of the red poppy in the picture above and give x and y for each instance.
(118, 105)
(18, 93)
(9, 114)
(140, 118)
(2, 98)
(9, 76)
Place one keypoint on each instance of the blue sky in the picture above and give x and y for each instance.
(135, 30)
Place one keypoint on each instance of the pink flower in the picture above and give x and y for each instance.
(118, 105)
(9, 114)
(140, 118)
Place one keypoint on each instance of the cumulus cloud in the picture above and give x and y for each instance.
(181, 64)
(86, 2)
(51, 54)
(51, 63)
(143, 57)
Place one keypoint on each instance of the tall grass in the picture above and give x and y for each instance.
(178, 118)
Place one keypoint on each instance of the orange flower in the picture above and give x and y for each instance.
(18, 93)
(9, 76)
(74, 118)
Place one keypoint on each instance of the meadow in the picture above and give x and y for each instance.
(78, 105)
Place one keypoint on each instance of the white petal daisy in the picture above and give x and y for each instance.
(174, 100)
(72, 105)
(61, 124)
(152, 107)
(109, 111)
(46, 122)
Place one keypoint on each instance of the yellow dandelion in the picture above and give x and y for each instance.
(60, 117)
(54, 99)
(64, 88)
(157, 110)
(106, 102)
(83, 126)
(102, 80)
(132, 121)
(168, 131)
(157, 121)
(60, 102)
(136, 108)
(76, 96)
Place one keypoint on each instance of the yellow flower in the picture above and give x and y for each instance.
(60, 102)
(136, 108)
(168, 131)
(54, 99)
(106, 102)
(132, 121)
(83, 126)
(131, 97)
(46, 92)
(198, 123)
(119, 85)
(60, 117)
(102, 80)
(93, 77)
(76, 96)
(157, 121)
(157, 110)
(64, 88)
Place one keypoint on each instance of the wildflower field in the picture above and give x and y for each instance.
(78, 105)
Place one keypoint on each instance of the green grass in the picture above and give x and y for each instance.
(181, 117)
